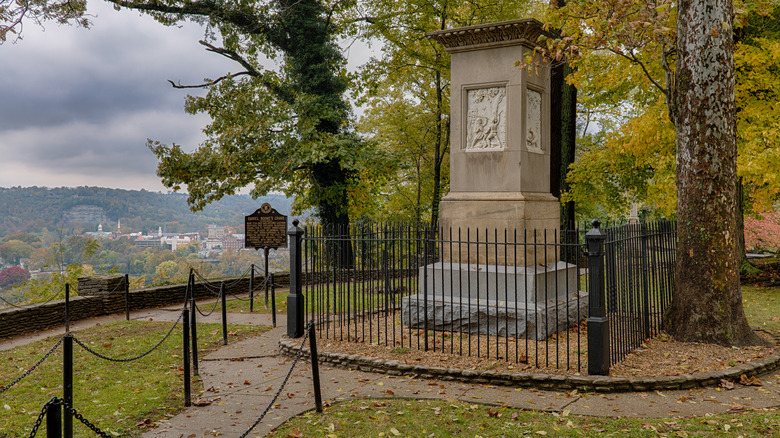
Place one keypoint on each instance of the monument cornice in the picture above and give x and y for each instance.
(524, 31)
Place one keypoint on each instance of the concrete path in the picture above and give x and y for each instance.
(241, 380)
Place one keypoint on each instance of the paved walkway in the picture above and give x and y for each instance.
(242, 378)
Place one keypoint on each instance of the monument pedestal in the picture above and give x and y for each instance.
(500, 250)
(533, 301)
(500, 217)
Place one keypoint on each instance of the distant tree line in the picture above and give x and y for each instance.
(41, 209)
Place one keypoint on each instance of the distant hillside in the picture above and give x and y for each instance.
(32, 209)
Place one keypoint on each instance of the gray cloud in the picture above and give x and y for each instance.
(77, 105)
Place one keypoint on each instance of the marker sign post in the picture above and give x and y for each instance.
(266, 228)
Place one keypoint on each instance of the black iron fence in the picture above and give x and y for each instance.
(639, 277)
(520, 296)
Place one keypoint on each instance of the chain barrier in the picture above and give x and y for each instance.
(284, 382)
(53, 402)
(9, 303)
(130, 359)
(237, 297)
(216, 303)
(83, 420)
(31, 369)
(28, 305)
(208, 284)
(56, 401)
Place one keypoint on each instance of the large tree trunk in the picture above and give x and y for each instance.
(707, 303)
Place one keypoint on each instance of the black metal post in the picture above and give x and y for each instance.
(67, 307)
(273, 299)
(67, 382)
(295, 300)
(252, 288)
(186, 353)
(265, 278)
(193, 326)
(315, 367)
(425, 289)
(645, 283)
(127, 297)
(224, 312)
(598, 323)
(54, 420)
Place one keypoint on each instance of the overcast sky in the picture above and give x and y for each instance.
(77, 105)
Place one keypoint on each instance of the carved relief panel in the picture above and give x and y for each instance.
(486, 119)
(533, 120)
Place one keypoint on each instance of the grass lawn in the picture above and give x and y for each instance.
(410, 418)
(114, 396)
(241, 305)
(455, 419)
(762, 307)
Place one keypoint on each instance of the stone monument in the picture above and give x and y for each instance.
(499, 186)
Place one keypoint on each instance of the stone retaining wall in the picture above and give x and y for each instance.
(105, 295)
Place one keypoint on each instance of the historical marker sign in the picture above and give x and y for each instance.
(265, 228)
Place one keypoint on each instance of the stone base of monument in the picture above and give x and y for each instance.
(532, 301)
(537, 321)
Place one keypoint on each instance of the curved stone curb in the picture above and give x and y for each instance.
(759, 367)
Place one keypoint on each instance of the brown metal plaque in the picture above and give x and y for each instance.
(265, 228)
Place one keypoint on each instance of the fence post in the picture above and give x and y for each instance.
(295, 301)
(67, 307)
(67, 382)
(252, 288)
(273, 299)
(185, 337)
(315, 367)
(54, 420)
(127, 297)
(265, 275)
(645, 282)
(598, 323)
(224, 312)
(193, 326)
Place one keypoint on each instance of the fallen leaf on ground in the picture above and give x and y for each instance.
(749, 381)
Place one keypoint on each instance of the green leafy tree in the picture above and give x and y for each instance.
(13, 251)
(286, 130)
(14, 12)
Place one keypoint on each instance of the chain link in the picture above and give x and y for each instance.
(56, 401)
(83, 420)
(39, 420)
(129, 359)
(216, 303)
(31, 369)
(284, 382)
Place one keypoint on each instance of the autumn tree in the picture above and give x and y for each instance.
(694, 57)
(13, 276)
(707, 304)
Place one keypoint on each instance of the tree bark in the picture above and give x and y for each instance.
(707, 303)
